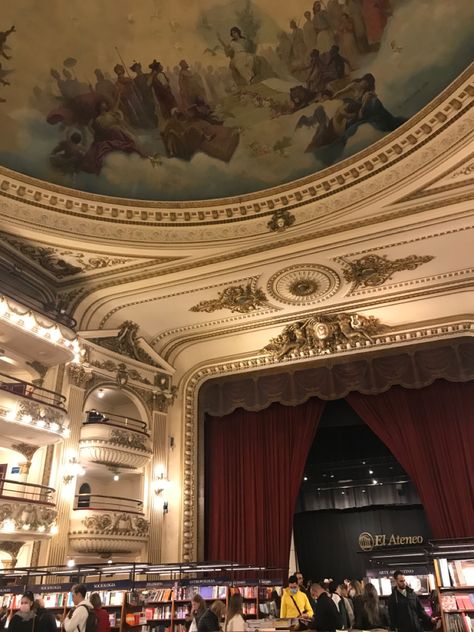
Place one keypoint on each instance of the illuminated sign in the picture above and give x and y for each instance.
(368, 542)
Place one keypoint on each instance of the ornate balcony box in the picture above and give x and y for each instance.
(30, 414)
(109, 526)
(27, 511)
(114, 441)
(36, 336)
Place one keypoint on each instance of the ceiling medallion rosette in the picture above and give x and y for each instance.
(303, 284)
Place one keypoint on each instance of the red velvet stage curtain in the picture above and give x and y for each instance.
(254, 466)
(430, 431)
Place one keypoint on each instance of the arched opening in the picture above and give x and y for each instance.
(84, 496)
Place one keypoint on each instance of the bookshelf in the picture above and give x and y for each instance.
(454, 574)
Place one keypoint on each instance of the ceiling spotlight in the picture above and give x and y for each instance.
(71, 563)
(363, 462)
(371, 471)
(332, 475)
(364, 491)
(109, 561)
(116, 477)
(374, 482)
(101, 393)
(305, 478)
(343, 493)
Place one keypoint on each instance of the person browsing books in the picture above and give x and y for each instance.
(103, 621)
(326, 615)
(24, 619)
(45, 619)
(294, 603)
(405, 610)
(76, 619)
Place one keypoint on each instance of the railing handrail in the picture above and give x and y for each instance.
(109, 419)
(37, 390)
(111, 504)
(55, 315)
(40, 493)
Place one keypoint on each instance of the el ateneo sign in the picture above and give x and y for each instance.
(369, 542)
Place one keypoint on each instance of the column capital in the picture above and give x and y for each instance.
(78, 375)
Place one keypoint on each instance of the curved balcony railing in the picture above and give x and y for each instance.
(17, 490)
(50, 311)
(31, 392)
(117, 421)
(99, 502)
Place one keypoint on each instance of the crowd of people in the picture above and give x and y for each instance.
(325, 606)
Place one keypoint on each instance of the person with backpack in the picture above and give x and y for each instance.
(103, 621)
(82, 617)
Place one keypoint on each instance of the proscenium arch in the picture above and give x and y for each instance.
(437, 359)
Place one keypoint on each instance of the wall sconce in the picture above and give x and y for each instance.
(161, 485)
(72, 469)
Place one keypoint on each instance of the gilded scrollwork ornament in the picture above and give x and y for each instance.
(237, 298)
(126, 343)
(324, 334)
(374, 270)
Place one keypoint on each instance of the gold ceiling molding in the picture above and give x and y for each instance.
(452, 274)
(172, 346)
(375, 270)
(196, 377)
(422, 127)
(247, 280)
(213, 260)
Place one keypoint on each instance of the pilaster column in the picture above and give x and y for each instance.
(78, 379)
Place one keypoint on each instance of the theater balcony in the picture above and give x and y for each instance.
(27, 511)
(114, 441)
(30, 414)
(34, 336)
(104, 525)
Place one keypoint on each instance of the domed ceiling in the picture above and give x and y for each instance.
(178, 100)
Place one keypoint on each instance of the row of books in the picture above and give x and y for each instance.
(108, 598)
(459, 623)
(456, 574)
(159, 612)
(186, 593)
(162, 594)
(459, 601)
(421, 584)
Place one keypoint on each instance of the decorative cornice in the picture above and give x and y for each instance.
(123, 373)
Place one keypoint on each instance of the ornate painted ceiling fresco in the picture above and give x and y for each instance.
(172, 100)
